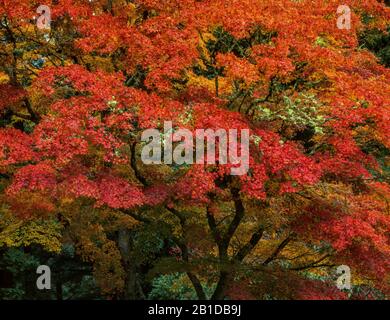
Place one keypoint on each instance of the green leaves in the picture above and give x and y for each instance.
(301, 112)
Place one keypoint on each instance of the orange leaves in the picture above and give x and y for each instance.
(101, 84)
(16, 12)
(211, 64)
(96, 37)
(238, 69)
(273, 60)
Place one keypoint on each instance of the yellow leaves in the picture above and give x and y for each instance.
(65, 201)
(108, 270)
(299, 254)
(29, 28)
(224, 85)
(87, 229)
(93, 223)
(39, 101)
(131, 12)
(204, 38)
(117, 220)
(327, 41)
(3, 78)
(203, 82)
(100, 63)
(17, 233)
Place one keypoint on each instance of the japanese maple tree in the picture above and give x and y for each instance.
(76, 98)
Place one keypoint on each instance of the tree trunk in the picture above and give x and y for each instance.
(132, 288)
(219, 293)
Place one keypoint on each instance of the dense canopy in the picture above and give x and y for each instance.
(75, 194)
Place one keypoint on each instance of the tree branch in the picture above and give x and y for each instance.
(313, 264)
(240, 211)
(279, 248)
(133, 163)
(245, 250)
(184, 253)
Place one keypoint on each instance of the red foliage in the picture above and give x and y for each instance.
(81, 141)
